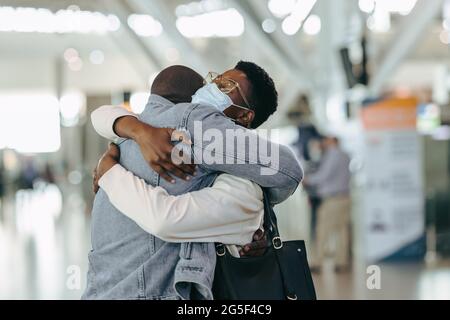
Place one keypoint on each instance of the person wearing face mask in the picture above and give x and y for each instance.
(211, 95)
(217, 92)
(177, 216)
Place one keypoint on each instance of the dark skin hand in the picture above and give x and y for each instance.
(257, 247)
(111, 157)
(108, 160)
(156, 147)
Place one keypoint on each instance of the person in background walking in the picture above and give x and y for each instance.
(332, 182)
(308, 150)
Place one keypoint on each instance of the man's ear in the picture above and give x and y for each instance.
(245, 118)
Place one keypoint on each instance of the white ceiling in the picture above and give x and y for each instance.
(32, 57)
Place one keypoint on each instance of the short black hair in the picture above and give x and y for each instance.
(263, 94)
(177, 83)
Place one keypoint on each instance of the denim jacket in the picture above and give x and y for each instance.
(128, 263)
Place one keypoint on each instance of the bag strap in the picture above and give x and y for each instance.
(271, 225)
(271, 222)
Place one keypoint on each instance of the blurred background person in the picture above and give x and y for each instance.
(301, 116)
(29, 174)
(48, 174)
(332, 182)
(314, 199)
(308, 149)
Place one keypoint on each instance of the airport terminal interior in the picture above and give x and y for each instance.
(363, 85)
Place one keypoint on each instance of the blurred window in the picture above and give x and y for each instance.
(29, 122)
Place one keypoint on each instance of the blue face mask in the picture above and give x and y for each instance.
(211, 95)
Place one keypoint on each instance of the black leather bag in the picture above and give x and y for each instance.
(282, 273)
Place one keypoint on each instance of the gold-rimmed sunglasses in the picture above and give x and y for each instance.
(226, 85)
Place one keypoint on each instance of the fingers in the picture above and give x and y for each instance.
(254, 253)
(182, 168)
(182, 161)
(114, 151)
(163, 174)
(187, 168)
(256, 245)
(256, 248)
(164, 169)
(95, 186)
(182, 171)
(171, 168)
(259, 235)
(167, 167)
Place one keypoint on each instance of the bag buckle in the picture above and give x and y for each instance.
(292, 297)
(277, 243)
(220, 250)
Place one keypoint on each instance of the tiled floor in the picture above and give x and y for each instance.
(42, 250)
(43, 256)
(405, 281)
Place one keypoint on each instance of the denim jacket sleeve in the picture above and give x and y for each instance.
(221, 145)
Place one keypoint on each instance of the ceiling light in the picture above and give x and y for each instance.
(42, 20)
(291, 25)
(97, 57)
(312, 25)
(145, 25)
(76, 64)
(366, 6)
(222, 23)
(70, 55)
(269, 26)
(281, 8)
